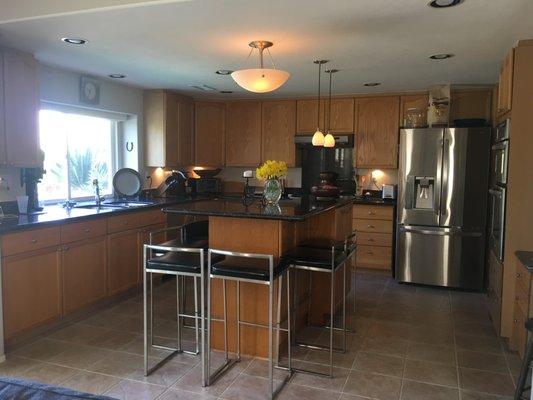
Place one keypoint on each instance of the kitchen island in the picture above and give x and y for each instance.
(255, 228)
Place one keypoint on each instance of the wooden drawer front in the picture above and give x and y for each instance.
(372, 226)
(494, 303)
(21, 242)
(83, 230)
(374, 239)
(372, 212)
(523, 279)
(153, 217)
(519, 336)
(373, 257)
(123, 222)
(495, 274)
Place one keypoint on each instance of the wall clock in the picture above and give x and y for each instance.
(89, 90)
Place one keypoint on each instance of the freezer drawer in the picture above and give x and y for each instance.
(440, 256)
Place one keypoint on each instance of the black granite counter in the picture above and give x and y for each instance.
(288, 210)
(525, 258)
(374, 201)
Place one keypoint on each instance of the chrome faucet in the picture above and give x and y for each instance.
(97, 198)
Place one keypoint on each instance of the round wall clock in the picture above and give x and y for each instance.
(89, 90)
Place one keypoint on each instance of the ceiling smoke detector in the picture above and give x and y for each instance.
(444, 3)
(116, 76)
(441, 56)
(70, 40)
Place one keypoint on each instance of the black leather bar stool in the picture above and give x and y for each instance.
(325, 260)
(252, 268)
(180, 257)
(523, 387)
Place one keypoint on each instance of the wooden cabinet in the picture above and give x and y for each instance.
(377, 132)
(521, 311)
(19, 107)
(83, 266)
(277, 132)
(505, 84)
(374, 226)
(494, 289)
(342, 115)
(210, 127)
(168, 129)
(419, 101)
(465, 104)
(243, 133)
(307, 118)
(31, 290)
(122, 261)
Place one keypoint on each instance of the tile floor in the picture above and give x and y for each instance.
(411, 343)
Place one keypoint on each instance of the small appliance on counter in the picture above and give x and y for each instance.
(207, 183)
(173, 186)
(31, 177)
(327, 189)
(388, 192)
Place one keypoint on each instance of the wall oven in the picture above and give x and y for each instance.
(497, 220)
(500, 155)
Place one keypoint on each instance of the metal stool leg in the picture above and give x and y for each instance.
(178, 306)
(225, 320)
(145, 312)
(344, 306)
(196, 314)
(207, 355)
(288, 319)
(202, 317)
(238, 320)
(270, 333)
(331, 327)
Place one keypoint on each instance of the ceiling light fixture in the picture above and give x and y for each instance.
(318, 137)
(329, 139)
(260, 80)
(372, 84)
(116, 76)
(223, 72)
(74, 40)
(441, 56)
(444, 3)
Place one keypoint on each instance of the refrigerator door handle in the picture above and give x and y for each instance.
(426, 230)
(445, 175)
(437, 190)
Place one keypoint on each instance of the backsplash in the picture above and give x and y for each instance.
(10, 186)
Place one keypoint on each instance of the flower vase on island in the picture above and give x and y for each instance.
(271, 172)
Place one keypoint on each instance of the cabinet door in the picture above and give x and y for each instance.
(84, 273)
(154, 127)
(171, 130)
(307, 116)
(377, 133)
(210, 127)
(419, 101)
(243, 133)
(470, 104)
(122, 261)
(185, 134)
(505, 85)
(21, 104)
(278, 127)
(31, 290)
(342, 115)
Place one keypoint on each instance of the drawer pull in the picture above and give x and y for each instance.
(371, 213)
(518, 275)
(369, 252)
(515, 321)
(370, 226)
(370, 240)
(87, 230)
(33, 241)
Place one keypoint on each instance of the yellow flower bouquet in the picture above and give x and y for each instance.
(271, 169)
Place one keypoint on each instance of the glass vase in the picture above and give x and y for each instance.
(272, 191)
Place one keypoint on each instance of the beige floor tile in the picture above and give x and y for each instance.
(486, 382)
(423, 391)
(372, 385)
(434, 336)
(166, 375)
(247, 387)
(77, 333)
(379, 363)
(467, 395)
(113, 340)
(485, 361)
(90, 382)
(345, 396)
(433, 373)
(258, 367)
(43, 349)
(297, 392)
(390, 346)
(192, 381)
(49, 373)
(342, 360)
(16, 366)
(335, 384)
(478, 343)
(474, 328)
(128, 308)
(428, 352)
(118, 364)
(173, 394)
(130, 390)
(79, 356)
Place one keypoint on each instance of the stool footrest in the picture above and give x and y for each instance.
(319, 347)
(307, 371)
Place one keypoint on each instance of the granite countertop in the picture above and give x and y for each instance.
(525, 258)
(374, 200)
(288, 210)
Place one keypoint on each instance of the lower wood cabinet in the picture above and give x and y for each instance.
(83, 267)
(123, 261)
(31, 290)
(521, 311)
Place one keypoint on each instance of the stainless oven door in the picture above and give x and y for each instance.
(497, 220)
(500, 154)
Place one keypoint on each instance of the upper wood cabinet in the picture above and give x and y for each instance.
(465, 104)
(210, 127)
(377, 132)
(243, 133)
(342, 115)
(419, 101)
(505, 84)
(168, 129)
(19, 107)
(277, 132)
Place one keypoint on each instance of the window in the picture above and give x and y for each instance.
(77, 149)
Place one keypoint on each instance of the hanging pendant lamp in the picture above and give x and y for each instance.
(318, 137)
(260, 80)
(329, 140)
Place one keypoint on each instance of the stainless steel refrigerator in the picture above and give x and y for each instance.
(442, 206)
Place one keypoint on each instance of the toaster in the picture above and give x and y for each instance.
(388, 192)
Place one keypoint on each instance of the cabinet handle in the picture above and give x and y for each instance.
(369, 252)
(87, 230)
(370, 226)
(33, 241)
(66, 248)
(370, 240)
(371, 213)
(518, 275)
(515, 321)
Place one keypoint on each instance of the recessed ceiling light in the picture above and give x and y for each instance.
(372, 84)
(74, 40)
(444, 3)
(224, 72)
(226, 91)
(116, 76)
(441, 56)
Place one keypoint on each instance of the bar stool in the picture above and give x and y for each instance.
(523, 391)
(328, 261)
(181, 257)
(252, 268)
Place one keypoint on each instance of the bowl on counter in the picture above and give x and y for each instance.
(207, 173)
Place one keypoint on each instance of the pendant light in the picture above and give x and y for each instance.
(318, 137)
(260, 80)
(329, 140)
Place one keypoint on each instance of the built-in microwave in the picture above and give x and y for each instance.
(500, 156)
(502, 131)
(497, 220)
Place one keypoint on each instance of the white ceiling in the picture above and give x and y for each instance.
(175, 44)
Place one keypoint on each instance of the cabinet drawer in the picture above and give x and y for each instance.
(519, 335)
(372, 212)
(153, 217)
(83, 230)
(21, 242)
(523, 279)
(123, 222)
(374, 239)
(372, 225)
(373, 257)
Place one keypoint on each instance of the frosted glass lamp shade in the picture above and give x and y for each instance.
(318, 138)
(260, 80)
(329, 140)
